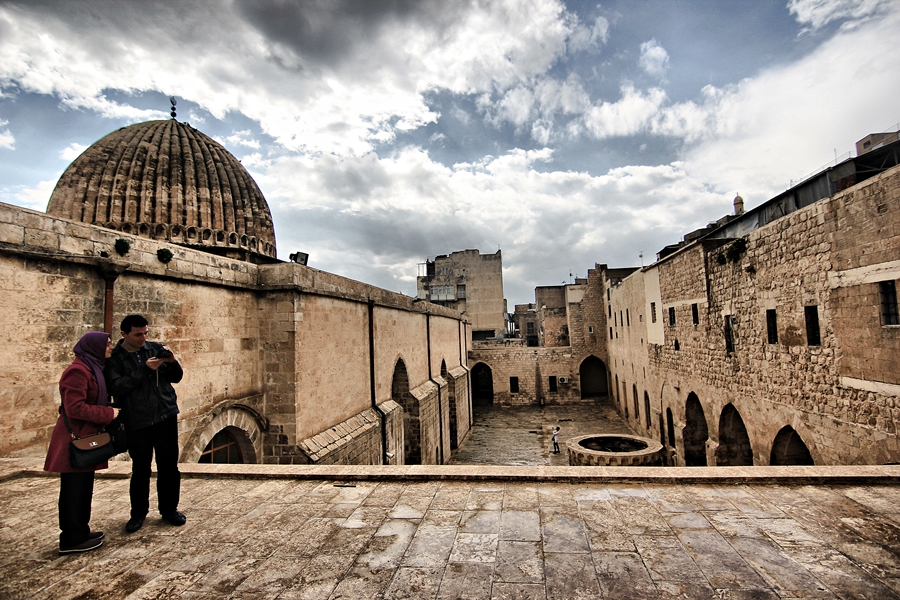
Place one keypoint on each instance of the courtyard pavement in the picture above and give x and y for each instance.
(469, 531)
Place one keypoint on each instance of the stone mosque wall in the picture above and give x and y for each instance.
(298, 364)
(777, 337)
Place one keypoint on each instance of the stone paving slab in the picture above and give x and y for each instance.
(469, 537)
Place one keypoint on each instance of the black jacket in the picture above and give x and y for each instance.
(145, 396)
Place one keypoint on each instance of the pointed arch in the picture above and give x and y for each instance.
(412, 431)
(695, 432)
(734, 444)
(592, 378)
(647, 410)
(482, 385)
(789, 449)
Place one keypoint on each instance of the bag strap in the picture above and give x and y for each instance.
(62, 409)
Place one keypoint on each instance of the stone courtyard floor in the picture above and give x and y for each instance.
(521, 435)
(469, 531)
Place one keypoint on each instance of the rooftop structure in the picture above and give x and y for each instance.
(167, 181)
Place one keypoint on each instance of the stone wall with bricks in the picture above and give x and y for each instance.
(276, 354)
(781, 330)
(532, 367)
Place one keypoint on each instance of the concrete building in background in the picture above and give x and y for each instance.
(470, 283)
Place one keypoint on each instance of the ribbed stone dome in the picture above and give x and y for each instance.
(166, 180)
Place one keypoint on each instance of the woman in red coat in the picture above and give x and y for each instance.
(84, 398)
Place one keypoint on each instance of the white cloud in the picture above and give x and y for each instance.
(7, 139)
(35, 198)
(774, 128)
(818, 13)
(395, 211)
(241, 138)
(654, 58)
(72, 151)
(630, 115)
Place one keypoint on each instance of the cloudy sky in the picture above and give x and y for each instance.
(383, 133)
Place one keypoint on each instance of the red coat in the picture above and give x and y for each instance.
(78, 389)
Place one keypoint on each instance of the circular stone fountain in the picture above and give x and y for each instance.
(613, 450)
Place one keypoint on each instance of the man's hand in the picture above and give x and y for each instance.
(154, 363)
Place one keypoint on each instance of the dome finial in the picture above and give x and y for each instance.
(173, 103)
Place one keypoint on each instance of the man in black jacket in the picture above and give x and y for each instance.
(139, 375)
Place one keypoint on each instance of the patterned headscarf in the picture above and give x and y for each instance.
(91, 348)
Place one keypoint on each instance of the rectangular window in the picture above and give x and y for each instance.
(529, 327)
(672, 316)
(653, 312)
(552, 381)
(621, 318)
(616, 319)
(442, 293)
(889, 309)
(772, 325)
(590, 329)
(610, 310)
(627, 317)
(813, 337)
(729, 334)
(513, 385)
(695, 313)
(610, 333)
(460, 292)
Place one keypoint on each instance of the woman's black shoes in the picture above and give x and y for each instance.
(85, 546)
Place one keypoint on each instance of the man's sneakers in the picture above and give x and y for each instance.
(175, 518)
(133, 524)
(87, 545)
(95, 535)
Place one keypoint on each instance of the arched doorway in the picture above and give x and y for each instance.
(789, 449)
(451, 393)
(695, 433)
(634, 399)
(482, 385)
(592, 375)
(647, 410)
(734, 444)
(670, 427)
(412, 430)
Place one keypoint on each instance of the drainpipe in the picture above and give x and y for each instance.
(384, 446)
(110, 272)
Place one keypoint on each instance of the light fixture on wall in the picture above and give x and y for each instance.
(301, 258)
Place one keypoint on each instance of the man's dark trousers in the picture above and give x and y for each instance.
(163, 439)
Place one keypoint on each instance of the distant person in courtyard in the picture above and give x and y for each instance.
(556, 440)
(140, 375)
(85, 403)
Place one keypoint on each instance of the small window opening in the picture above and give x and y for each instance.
(729, 334)
(627, 318)
(552, 381)
(677, 345)
(672, 316)
(590, 329)
(222, 449)
(813, 335)
(653, 312)
(695, 313)
(772, 325)
(513, 385)
(610, 333)
(889, 309)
